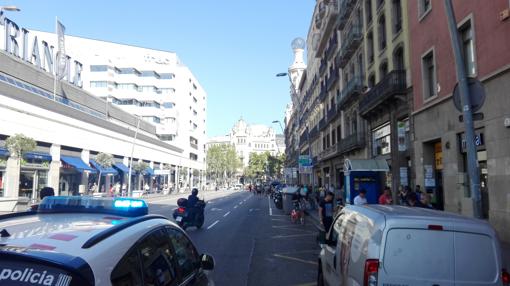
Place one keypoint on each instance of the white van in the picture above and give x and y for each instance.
(397, 246)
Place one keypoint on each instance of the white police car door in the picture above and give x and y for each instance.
(331, 254)
(187, 257)
(149, 262)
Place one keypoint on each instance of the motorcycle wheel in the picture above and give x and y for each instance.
(200, 222)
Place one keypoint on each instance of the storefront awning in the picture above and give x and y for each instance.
(37, 156)
(104, 171)
(121, 167)
(4, 152)
(368, 165)
(77, 163)
(148, 172)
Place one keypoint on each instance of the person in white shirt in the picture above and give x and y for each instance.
(361, 198)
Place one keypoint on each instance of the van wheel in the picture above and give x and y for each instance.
(320, 278)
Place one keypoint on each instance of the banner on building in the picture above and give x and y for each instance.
(61, 54)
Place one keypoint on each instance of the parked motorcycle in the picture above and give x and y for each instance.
(186, 217)
(278, 199)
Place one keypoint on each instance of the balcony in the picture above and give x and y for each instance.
(353, 88)
(304, 137)
(314, 132)
(346, 7)
(325, 22)
(351, 142)
(352, 40)
(328, 153)
(322, 124)
(322, 67)
(393, 86)
(332, 113)
(333, 44)
(332, 79)
(322, 93)
(193, 145)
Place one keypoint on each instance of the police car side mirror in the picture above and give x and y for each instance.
(207, 262)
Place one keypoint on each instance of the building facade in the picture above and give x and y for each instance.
(251, 138)
(439, 144)
(71, 126)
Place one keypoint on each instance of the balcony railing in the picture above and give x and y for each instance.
(322, 93)
(322, 123)
(332, 113)
(328, 153)
(332, 79)
(304, 137)
(322, 67)
(333, 44)
(351, 142)
(393, 84)
(353, 87)
(193, 145)
(352, 40)
(326, 23)
(314, 132)
(346, 7)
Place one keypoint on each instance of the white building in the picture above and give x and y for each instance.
(149, 83)
(71, 125)
(249, 139)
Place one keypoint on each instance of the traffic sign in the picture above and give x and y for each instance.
(476, 95)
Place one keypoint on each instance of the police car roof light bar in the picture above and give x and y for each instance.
(83, 204)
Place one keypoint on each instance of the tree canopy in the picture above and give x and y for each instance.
(222, 162)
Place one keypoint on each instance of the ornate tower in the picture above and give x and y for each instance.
(297, 68)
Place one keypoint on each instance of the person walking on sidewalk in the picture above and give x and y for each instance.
(326, 208)
(385, 198)
(361, 198)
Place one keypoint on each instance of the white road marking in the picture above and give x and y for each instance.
(215, 209)
(209, 227)
(235, 207)
(240, 203)
(226, 214)
(269, 204)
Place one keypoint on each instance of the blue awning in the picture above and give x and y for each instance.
(121, 167)
(104, 171)
(4, 152)
(37, 156)
(77, 163)
(148, 172)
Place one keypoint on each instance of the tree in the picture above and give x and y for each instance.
(140, 167)
(257, 165)
(19, 144)
(104, 161)
(275, 165)
(222, 162)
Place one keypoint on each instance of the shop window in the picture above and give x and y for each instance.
(381, 143)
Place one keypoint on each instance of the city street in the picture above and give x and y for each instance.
(252, 242)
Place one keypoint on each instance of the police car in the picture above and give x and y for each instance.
(97, 241)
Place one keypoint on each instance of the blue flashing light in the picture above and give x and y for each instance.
(84, 204)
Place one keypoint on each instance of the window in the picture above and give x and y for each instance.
(368, 11)
(131, 86)
(195, 99)
(167, 76)
(333, 137)
(424, 6)
(398, 59)
(193, 156)
(128, 270)
(397, 16)
(167, 90)
(128, 71)
(371, 81)
(338, 133)
(383, 70)
(147, 88)
(468, 49)
(381, 140)
(98, 84)
(186, 254)
(429, 75)
(382, 33)
(167, 137)
(370, 48)
(98, 68)
(157, 257)
(380, 3)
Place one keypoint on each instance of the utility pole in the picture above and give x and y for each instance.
(130, 194)
(473, 168)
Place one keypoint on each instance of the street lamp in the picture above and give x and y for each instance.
(281, 127)
(132, 153)
(9, 8)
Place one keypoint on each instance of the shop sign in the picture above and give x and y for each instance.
(402, 127)
(305, 161)
(479, 141)
(403, 176)
(438, 156)
(430, 181)
(17, 42)
(305, 169)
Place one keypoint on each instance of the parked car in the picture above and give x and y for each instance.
(396, 245)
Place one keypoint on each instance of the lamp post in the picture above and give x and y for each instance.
(281, 127)
(131, 158)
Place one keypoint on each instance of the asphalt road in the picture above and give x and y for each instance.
(252, 242)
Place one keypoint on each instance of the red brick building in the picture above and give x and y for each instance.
(440, 164)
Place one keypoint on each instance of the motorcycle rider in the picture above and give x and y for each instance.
(192, 202)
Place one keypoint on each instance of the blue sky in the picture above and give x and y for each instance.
(233, 47)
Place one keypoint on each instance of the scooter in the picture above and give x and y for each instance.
(278, 200)
(183, 215)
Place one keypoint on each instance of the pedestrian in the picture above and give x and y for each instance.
(361, 198)
(45, 192)
(412, 201)
(385, 198)
(326, 208)
(418, 192)
(426, 201)
(403, 192)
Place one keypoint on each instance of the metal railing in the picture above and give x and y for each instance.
(332, 46)
(353, 87)
(322, 93)
(394, 83)
(345, 7)
(352, 40)
(332, 79)
(354, 141)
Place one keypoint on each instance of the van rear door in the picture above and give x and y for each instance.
(437, 257)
